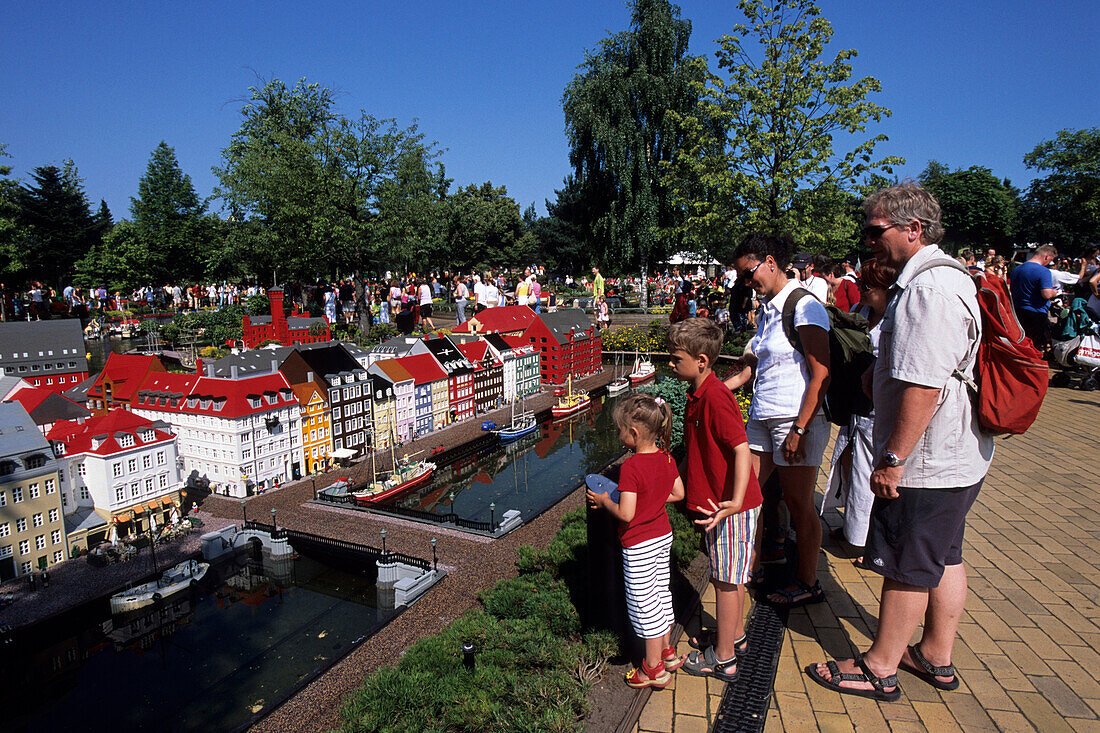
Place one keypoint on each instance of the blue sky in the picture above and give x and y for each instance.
(969, 83)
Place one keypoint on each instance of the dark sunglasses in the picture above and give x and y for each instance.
(874, 231)
(747, 274)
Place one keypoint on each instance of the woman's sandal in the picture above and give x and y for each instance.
(801, 595)
(928, 672)
(865, 675)
(707, 637)
(707, 664)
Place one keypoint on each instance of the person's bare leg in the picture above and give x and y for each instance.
(730, 610)
(653, 649)
(762, 466)
(900, 611)
(941, 619)
(798, 491)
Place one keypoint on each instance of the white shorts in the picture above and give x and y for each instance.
(767, 436)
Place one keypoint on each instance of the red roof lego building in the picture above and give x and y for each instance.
(567, 340)
(121, 376)
(117, 431)
(298, 328)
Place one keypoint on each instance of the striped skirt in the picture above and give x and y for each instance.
(648, 595)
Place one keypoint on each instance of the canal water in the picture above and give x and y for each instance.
(530, 474)
(206, 660)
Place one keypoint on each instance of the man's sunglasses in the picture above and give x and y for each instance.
(874, 231)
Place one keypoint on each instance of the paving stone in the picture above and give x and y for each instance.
(834, 723)
(1065, 700)
(1011, 722)
(658, 713)
(988, 690)
(1039, 712)
(690, 724)
(935, 715)
(690, 695)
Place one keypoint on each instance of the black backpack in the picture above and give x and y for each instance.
(850, 355)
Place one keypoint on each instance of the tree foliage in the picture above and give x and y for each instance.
(57, 226)
(979, 209)
(619, 115)
(484, 227)
(326, 191)
(1063, 207)
(763, 147)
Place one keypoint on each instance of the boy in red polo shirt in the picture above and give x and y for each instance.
(718, 468)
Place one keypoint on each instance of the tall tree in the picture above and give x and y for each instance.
(620, 124)
(763, 139)
(10, 261)
(1063, 207)
(58, 228)
(168, 216)
(979, 209)
(309, 182)
(559, 236)
(485, 228)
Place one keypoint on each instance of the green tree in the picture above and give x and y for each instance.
(10, 262)
(485, 229)
(979, 209)
(1063, 207)
(762, 145)
(559, 236)
(58, 228)
(309, 191)
(620, 117)
(169, 217)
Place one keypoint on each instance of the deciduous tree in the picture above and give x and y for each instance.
(1063, 207)
(763, 147)
(979, 209)
(619, 116)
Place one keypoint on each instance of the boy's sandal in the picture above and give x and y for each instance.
(865, 675)
(707, 664)
(657, 678)
(707, 637)
(801, 595)
(928, 672)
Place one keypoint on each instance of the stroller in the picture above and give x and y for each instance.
(1076, 348)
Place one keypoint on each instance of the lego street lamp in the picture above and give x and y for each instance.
(273, 517)
(435, 562)
(492, 516)
(244, 512)
(383, 542)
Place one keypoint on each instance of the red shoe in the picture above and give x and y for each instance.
(657, 678)
(671, 659)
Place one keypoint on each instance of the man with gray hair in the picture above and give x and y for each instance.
(930, 455)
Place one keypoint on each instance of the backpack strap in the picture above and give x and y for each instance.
(960, 370)
(787, 317)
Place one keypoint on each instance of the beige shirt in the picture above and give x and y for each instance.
(930, 328)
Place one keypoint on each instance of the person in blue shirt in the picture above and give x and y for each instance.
(1032, 287)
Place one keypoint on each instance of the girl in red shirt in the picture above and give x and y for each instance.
(647, 481)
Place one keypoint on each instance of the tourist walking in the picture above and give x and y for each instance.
(1032, 287)
(462, 295)
(647, 481)
(930, 454)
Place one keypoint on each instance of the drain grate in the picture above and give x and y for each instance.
(744, 706)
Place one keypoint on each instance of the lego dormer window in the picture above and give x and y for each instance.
(272, 398)
(147, 436)
(7, 468)
(126, 440)
(35, 461)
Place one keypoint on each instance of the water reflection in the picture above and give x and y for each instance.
(529, 474)
(202, 660)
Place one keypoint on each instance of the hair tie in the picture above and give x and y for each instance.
(658, 400)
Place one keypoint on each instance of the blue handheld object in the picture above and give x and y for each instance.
(602, 485)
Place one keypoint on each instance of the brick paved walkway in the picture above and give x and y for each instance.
(1029, 639)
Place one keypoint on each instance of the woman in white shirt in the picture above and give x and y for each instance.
(849, 483)
(462, 294)
(787, 430)
(425, 292)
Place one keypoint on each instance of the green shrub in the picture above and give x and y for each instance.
(258, 305)
(380, 332)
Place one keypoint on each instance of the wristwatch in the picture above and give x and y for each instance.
(799, 430)
(891, 459)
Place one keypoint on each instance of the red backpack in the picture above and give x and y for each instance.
(1011, 374)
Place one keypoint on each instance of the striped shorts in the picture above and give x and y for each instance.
(648, 594)
(729, 546)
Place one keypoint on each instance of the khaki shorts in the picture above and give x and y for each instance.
(767, 436)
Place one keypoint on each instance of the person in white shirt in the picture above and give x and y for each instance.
(492, 292)
(479, 295)
(425, 292)
(462, 293)
(811, 273)
(787, 430)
